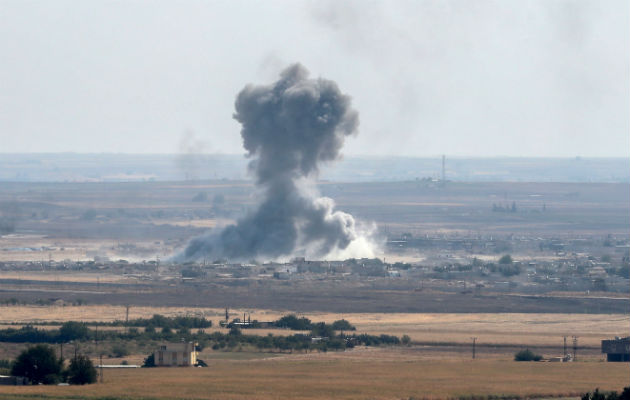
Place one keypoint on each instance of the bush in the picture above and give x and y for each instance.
(527, 355)
(120, 350)
(294, 323)
(406, 340)
(201, 363)
(5, 367)
(597, 395)
(73, 330)
(149, 362)
(623, 271)
(510, 270)
(506, 259)
(39, 364)
(322, 329)
(81, 371)
(343, 325)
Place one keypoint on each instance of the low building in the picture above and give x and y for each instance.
(182, 354)
(617, 349)
(13, 380)
(597, 273)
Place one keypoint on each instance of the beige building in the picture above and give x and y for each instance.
(176, 355)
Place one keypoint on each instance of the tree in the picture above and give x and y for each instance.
(291, 321)
(624, 271)
(149, 362)
(73, 330)
(323, 330)
(39, 364)
(343, 325)
(506, 259)
(81, 370)
(597, 395)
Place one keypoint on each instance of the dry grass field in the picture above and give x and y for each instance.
(344, 378)
(490, 328)
(438, 366)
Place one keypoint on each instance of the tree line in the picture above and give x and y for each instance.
(322, 337)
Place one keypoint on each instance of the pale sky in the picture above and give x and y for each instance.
(463, 78)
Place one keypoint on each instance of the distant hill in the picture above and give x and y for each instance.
(73, 167)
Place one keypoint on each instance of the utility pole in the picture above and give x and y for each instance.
(127, 317)
(474, 342)
(101, 362)
(564, 349)
(575, 346)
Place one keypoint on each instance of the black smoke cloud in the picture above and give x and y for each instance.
(289, 129)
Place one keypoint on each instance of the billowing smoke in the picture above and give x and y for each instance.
(289, 129)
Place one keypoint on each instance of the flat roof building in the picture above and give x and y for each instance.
(617, 349)
(182, 354)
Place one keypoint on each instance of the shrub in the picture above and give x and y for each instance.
(120, 350)
(73, 330)
(343, 325)
(322, 329)
(294, 323)
(201, 363)
(527, 355)
(597, 395)
(506, 259)
(81, 371)
(510, 270)
(149, 362)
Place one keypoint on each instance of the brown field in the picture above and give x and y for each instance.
(345, 378)
(490, 328)
(48, 276)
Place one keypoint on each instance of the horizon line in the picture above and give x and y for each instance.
(244, 155)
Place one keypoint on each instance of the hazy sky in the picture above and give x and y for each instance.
(476, 78)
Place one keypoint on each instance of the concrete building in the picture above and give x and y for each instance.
(617, 349)
(13, 380)
(182, 354)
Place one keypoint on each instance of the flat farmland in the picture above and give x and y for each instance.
(343, 378)
(517, 329)
(166, 211)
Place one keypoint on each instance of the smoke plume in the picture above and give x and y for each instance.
(190, 155)
(289, 129)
